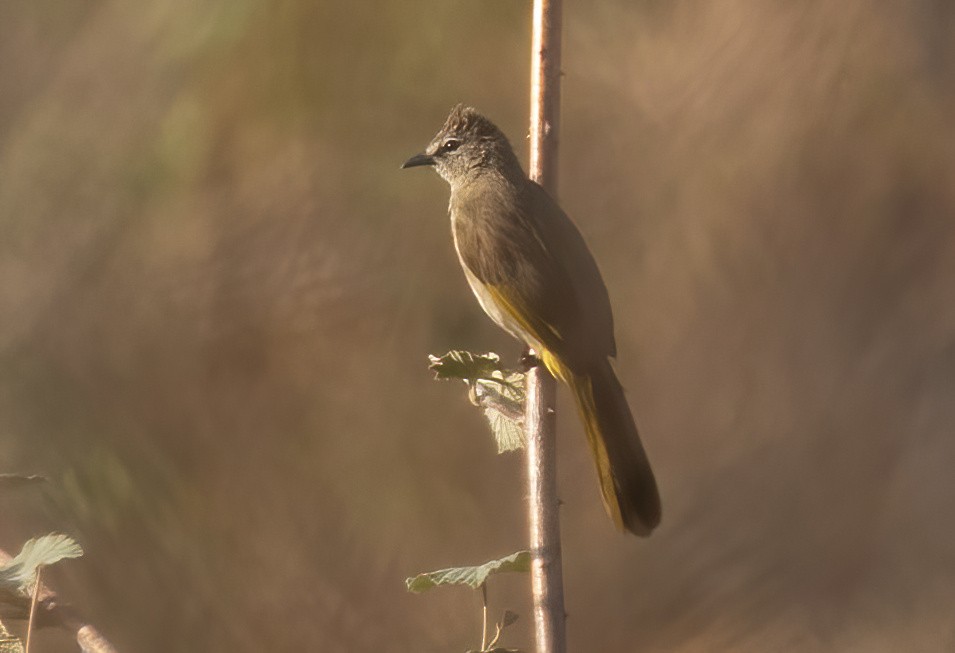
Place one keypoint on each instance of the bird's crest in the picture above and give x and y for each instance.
(467, 121)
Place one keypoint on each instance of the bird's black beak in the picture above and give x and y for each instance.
(418, 160)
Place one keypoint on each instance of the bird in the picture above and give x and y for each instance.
(533, 274)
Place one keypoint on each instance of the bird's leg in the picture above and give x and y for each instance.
(527, 361)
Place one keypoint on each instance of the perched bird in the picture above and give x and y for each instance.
(534, 276)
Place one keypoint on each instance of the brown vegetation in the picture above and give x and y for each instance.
(217, 294)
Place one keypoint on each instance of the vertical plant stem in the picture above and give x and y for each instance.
(545, 93)
(36, 592)
(484, 622)
(540, 418)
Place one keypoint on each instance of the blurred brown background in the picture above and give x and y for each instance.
(218, 291)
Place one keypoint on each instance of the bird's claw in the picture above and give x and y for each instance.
(528, 361)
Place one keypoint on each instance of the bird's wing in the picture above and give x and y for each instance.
(565, 246)
(535, 266)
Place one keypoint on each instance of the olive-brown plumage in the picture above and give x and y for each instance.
(533, 274)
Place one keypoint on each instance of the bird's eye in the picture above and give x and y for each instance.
(451, 145)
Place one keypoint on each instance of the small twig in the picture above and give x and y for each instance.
(497, 635)
(484, 625)
(484, 396)
(36, 593)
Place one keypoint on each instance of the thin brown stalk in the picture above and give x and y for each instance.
(540, 418)
(33, 600)
(484, 622)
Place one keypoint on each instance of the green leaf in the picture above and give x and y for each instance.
(508, 618)
(9, 481)
(471, 576)
(467, 366)
(19, 574)
(503, 406)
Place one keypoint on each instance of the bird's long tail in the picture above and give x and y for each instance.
(627, 483)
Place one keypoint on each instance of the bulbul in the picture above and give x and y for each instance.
(533, 274)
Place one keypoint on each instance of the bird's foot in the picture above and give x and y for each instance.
(527, 361)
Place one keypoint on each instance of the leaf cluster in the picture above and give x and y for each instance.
(499, 392)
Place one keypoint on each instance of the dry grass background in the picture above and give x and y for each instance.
(217, 292)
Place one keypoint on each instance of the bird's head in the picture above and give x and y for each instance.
(468, 144)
